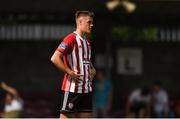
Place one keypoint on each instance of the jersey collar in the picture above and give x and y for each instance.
(78, 35)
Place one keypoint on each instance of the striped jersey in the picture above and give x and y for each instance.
(76, 55)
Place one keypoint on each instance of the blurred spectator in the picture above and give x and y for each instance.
(138, 104)
(160, 105)
(13, 103)
(103, 93)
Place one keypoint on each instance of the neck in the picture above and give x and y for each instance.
(80, 32)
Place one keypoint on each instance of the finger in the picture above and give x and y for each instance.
(76, 80)
(75, 77)
(79, 77)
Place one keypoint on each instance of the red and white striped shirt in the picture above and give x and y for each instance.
(77, 55)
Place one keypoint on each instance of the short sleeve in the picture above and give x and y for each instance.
(134, 95)
(67, 45)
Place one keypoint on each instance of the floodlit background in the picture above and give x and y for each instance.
(134, 42)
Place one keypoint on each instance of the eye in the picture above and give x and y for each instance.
(89, 22)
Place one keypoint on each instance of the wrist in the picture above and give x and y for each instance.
(69, 71)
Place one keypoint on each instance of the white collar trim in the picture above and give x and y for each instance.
(78, 35)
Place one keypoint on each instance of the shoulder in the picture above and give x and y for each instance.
(137, 91)
(70, 38)
(163, 92)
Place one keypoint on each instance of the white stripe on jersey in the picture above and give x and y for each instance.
(80, 84)
(69, 78)
(80, 55)
(74, 67)
(86, 80)
(90, 84)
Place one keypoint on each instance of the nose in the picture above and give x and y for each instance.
(91, 25)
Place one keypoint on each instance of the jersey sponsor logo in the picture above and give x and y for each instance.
(63, 45)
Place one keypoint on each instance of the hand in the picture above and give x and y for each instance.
(3, 85)
(92, 72)
(75, 76)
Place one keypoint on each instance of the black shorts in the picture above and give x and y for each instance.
(137, 106)
(76, 102)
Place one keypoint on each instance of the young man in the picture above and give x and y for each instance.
(73, 57)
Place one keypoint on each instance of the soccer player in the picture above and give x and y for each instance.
(73, 57)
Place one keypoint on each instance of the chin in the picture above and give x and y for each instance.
(88, 32)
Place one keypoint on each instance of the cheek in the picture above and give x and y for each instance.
(85, 26)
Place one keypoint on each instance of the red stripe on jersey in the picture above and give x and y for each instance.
(77, 58)
(87, 51)
(66, 75)
(82, 49)
(64, 82)
(71, 68)
(84, 78)
(78, 66)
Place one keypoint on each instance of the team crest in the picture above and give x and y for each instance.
(70, 105)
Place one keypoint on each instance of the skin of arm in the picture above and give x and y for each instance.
(9, 89)
(57, 60)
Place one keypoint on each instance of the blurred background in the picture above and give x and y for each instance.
(135, 43)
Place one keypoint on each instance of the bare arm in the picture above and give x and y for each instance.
(9, 89)
(57, 60)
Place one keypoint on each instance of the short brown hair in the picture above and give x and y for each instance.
(84, 13)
